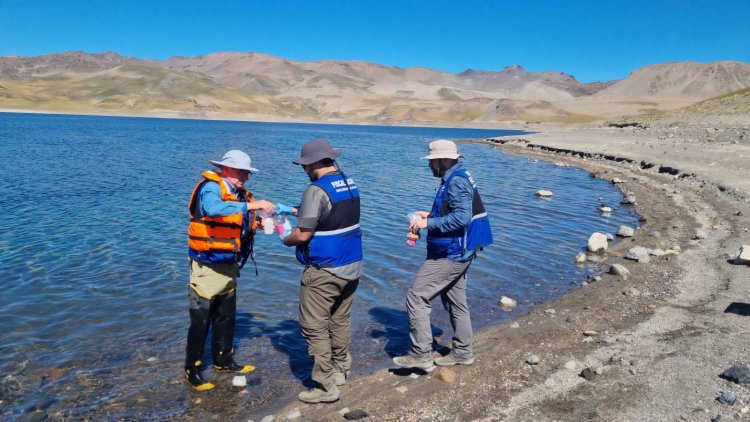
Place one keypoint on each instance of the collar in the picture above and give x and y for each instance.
(450, 171)
(229, 186)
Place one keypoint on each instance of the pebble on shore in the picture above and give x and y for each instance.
(639, 254)
(619, 269)
(625, 231)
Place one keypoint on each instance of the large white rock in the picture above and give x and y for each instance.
(625, 231)
(619, 269)
(544, 193)
(744, 256)
(597, 242)
(640, 254)
(658, 252)
(629, 200)
(507, 303)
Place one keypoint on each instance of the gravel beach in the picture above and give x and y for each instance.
(647, 346)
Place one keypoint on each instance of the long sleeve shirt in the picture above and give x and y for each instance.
(460, 197)
(211, 204)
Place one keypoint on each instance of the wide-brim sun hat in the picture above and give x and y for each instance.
(316, 150)
(236, 159)
(442, 148)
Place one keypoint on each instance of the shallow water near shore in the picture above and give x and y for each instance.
(94, 248)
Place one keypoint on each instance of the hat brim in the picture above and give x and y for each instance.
(439, 155)
(322, 155)
(219, 164)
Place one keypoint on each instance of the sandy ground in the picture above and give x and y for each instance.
(664, 333)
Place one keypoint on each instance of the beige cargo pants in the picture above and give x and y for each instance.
(325, 304)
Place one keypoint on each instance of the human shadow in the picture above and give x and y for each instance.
(396, 331)
(285, 337)
(247, 326)
(738, 308)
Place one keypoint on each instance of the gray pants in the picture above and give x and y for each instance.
(447, 279)
(325, 304)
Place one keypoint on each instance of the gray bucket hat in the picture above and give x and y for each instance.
(316, 150)
(235, 159)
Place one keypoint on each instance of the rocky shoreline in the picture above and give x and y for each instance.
(650, 345)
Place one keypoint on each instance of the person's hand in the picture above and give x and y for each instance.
(422, 214)
(262, 204)
(416, 225)
(284, 209)
(287, 232)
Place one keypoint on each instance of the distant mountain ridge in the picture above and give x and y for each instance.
(18, 68)
(264, 87)
(682, 80)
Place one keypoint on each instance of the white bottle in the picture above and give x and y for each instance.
(411, 238)
(267, 221)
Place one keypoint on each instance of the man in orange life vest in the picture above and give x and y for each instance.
(220, 236)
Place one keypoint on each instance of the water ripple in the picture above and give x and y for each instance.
(95, 252)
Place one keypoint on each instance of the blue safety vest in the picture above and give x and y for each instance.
(337, 240)
(477, 235)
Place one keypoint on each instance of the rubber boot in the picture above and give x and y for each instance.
(195, 378)
(196, 339)
(224, 316)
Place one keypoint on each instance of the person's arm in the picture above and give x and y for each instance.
(460, 197)
(213, 206)
(314, 205)
(261, 204)
(298, 236)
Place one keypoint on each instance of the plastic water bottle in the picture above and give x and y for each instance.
(281, 224)
(411, 238)
(267, 219)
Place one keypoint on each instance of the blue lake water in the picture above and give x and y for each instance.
(93, 243)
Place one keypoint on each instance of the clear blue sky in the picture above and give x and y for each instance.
(592, 40)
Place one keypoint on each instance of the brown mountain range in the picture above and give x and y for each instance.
(254, 86)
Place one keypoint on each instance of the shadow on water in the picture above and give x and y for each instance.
(396, 331)
(286, 338)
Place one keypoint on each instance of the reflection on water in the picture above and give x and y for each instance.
(94, 250)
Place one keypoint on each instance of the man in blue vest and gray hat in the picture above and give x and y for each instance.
(329, 245)
(457, 228)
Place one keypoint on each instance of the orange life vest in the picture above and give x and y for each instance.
(218, 239)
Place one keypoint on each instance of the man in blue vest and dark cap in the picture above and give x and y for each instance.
(329, 245)
(457, 228)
